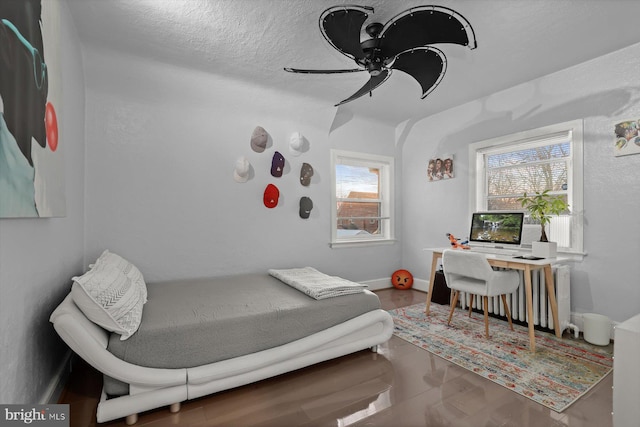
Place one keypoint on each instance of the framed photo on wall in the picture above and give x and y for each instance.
(440, 168)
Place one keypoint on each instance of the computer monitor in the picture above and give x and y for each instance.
(496, 228)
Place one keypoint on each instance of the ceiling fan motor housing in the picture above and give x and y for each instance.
(374, 29)
(372, 60)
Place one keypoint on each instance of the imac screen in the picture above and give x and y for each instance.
(496, 227)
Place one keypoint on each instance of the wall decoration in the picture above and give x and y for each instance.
(259, 139)
(306, 204)
(306, 172)
(32, 178)
(271, 196)
(242, 169)
(402, 279)
(298, 144)
(277, 164)
(440, 168)
(627, 137)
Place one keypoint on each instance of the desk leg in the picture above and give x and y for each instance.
(529, 297)
(432, 279)
(551, 292)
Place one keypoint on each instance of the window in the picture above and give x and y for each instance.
(550, 158)
(361, 198)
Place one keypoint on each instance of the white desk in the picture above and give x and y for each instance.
(508, 261)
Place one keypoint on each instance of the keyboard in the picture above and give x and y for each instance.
(496, 251)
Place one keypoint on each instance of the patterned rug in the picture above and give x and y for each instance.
(556, 375)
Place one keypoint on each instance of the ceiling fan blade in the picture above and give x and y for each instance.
(341, 26)
(424, 25)
(426, 65)
(304, 71)
(373, 83)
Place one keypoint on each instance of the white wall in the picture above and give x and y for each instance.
(600, 91)
(155, 184)
(38, 256)
(162, 143)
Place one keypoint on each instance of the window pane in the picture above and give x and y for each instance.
(363, 216)
(358, 228)
(350, 210)
(361, 200)
(511, 174)
(537, 168)
(527, 178)
(504, 204)
(357, 182)
(548, 158)
(528, 155)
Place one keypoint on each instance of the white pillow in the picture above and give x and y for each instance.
(110, 299)
(129, 270)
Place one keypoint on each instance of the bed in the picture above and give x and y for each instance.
(202, 336)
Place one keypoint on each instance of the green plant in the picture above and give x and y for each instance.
(541, 206)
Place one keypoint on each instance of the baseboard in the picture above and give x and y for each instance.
(377, 284)
(57, 383)
(421, 285)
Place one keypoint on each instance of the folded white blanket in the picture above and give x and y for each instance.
(316, 284)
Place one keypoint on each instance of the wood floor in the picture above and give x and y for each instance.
(401, 385)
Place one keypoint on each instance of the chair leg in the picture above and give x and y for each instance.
(506, 309)
(453, 305)
(470, 304)
(485, 303)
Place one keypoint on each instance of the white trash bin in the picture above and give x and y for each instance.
(597, 328)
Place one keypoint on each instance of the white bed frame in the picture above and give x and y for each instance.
(151, 388)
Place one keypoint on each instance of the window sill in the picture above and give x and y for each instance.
(361, 243)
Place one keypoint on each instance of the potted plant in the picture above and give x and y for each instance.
(541, 207)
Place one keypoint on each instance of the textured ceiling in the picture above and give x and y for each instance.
(252, 40)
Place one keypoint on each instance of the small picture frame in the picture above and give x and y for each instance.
(440, 168)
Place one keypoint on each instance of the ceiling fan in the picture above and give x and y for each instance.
(401, 44)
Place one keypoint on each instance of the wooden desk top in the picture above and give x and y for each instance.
(510, 261)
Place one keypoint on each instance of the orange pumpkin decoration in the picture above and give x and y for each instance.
(402, 279)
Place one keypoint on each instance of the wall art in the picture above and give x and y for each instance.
(627, 137)
(440, 168)
(32, 178)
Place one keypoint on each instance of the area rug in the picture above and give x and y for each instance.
(559, 372)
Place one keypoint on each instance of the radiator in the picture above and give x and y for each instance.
(541, 308)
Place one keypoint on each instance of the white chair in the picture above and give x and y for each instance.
(470, 272)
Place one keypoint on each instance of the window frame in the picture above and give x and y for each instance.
(575, 178)
(386, 182)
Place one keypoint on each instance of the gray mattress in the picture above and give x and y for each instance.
(194, 322)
